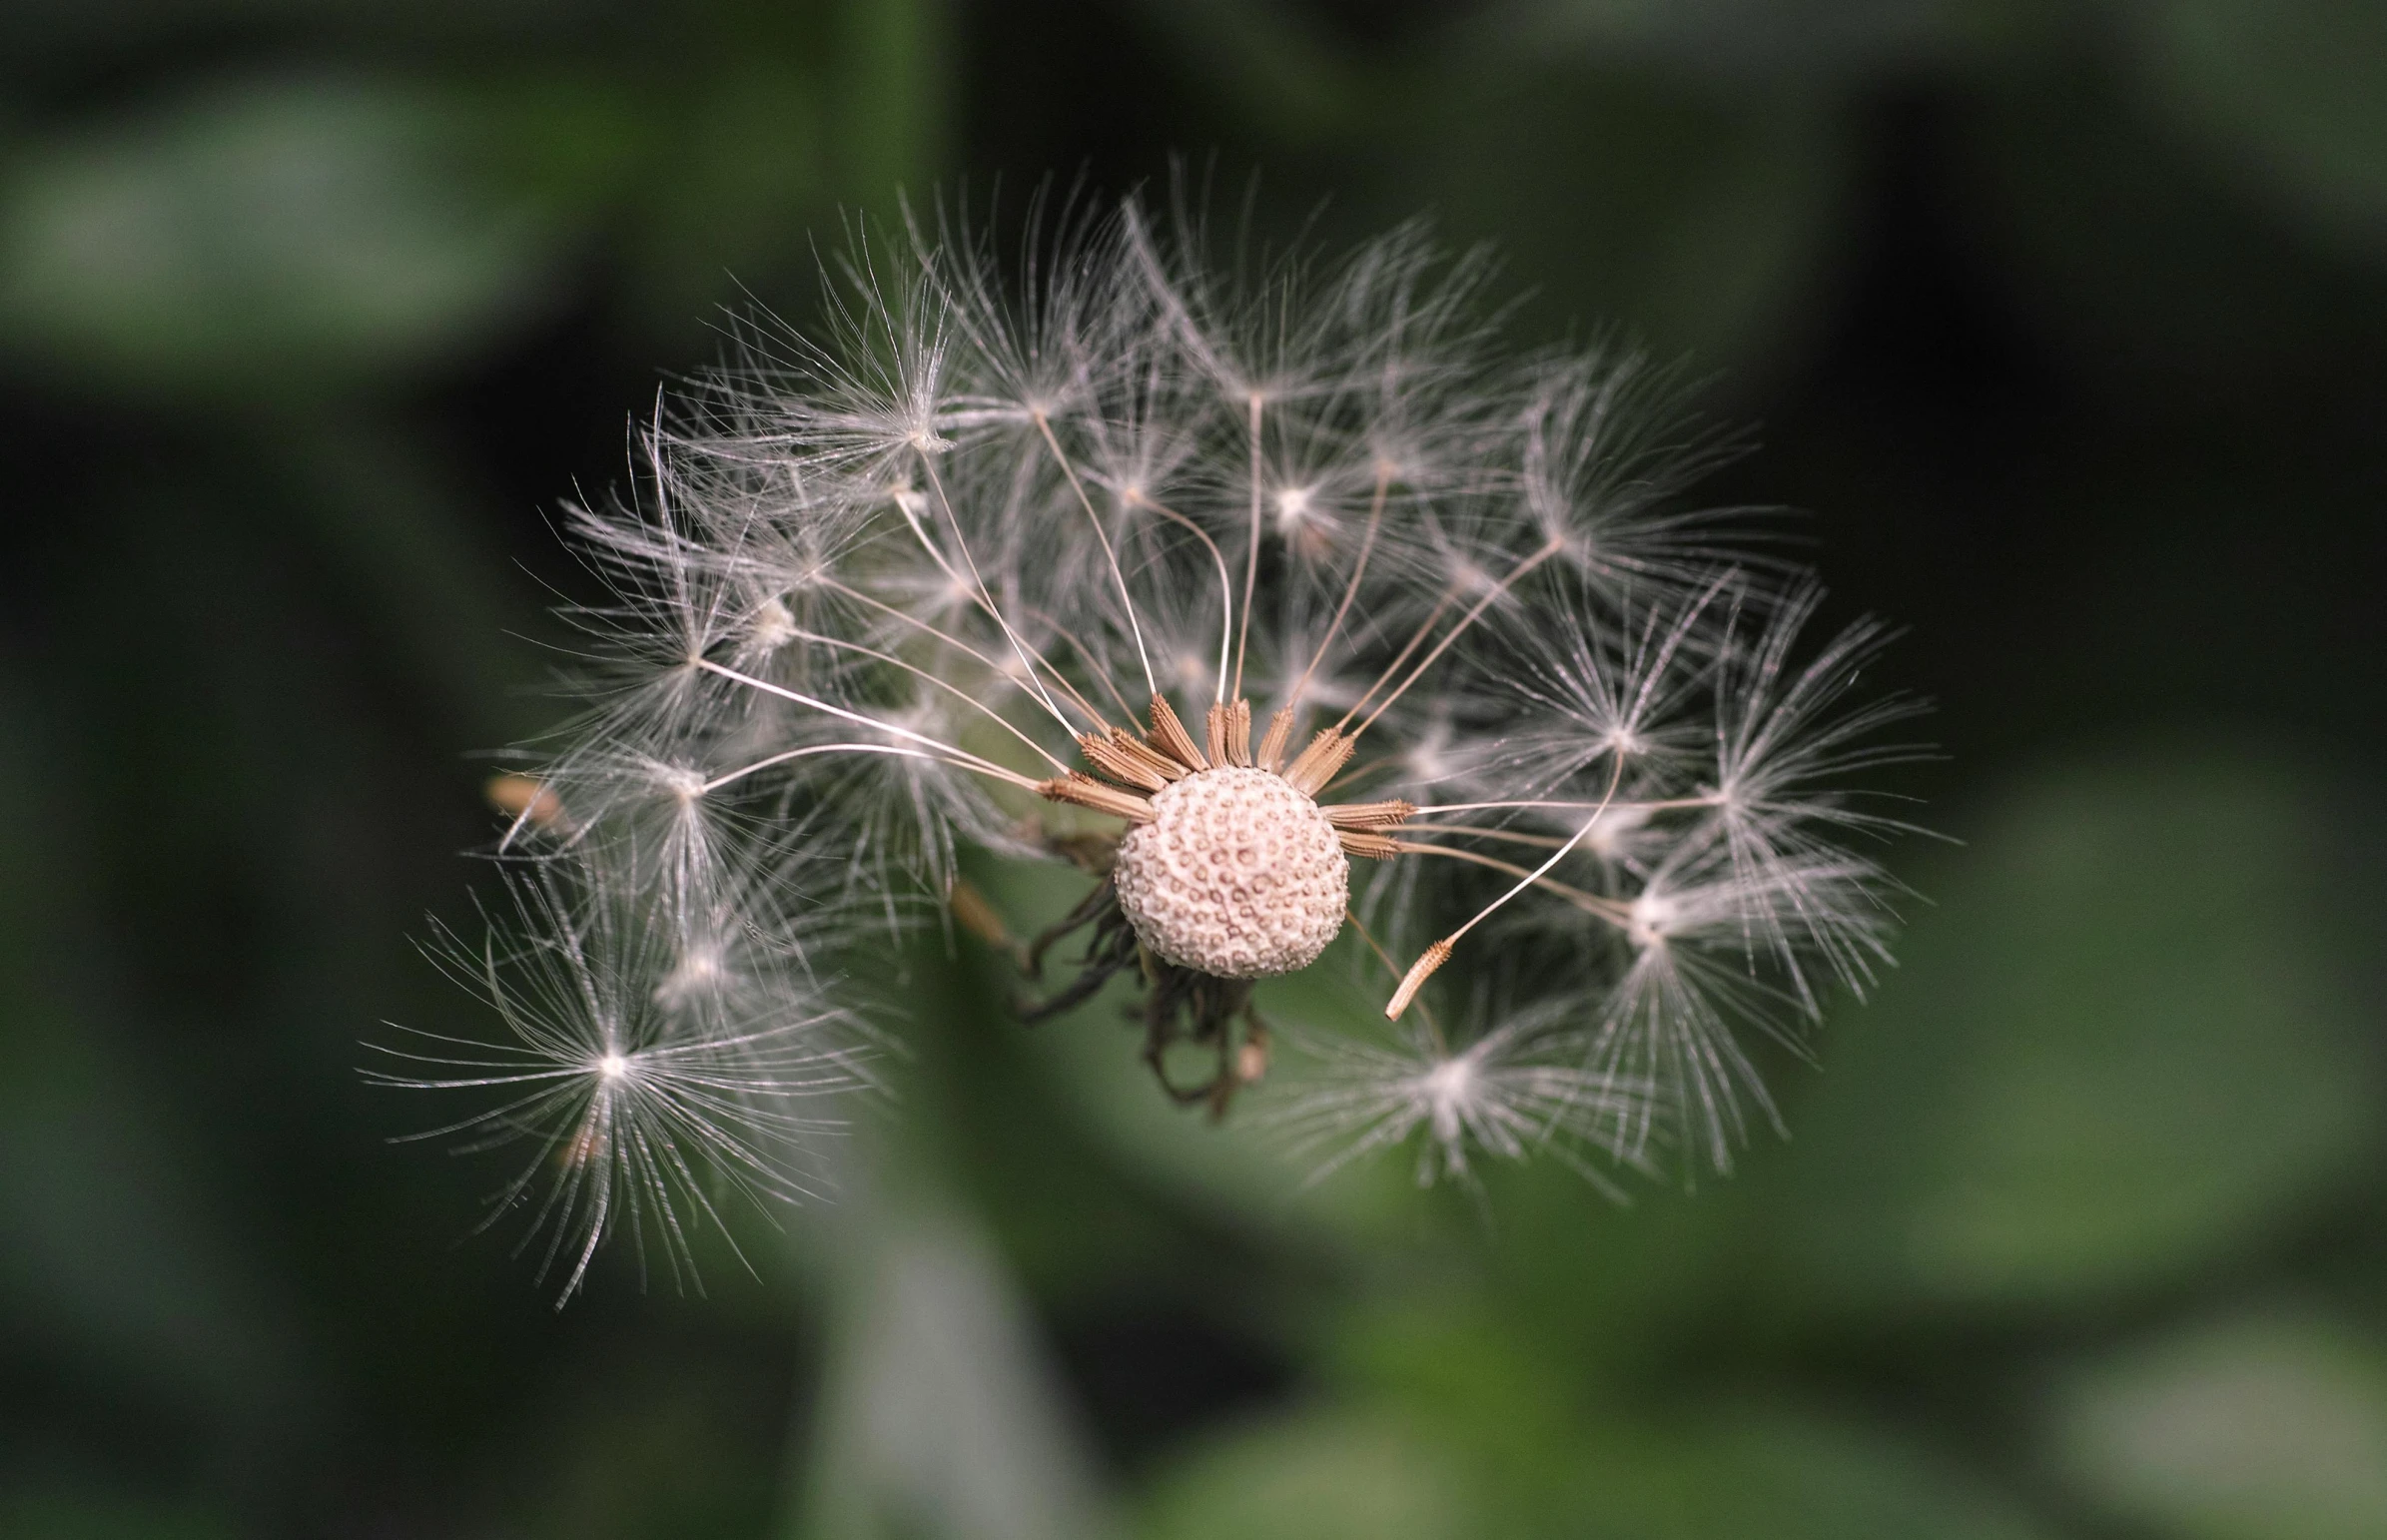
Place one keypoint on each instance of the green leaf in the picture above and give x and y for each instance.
(1724, 1473)
(2127, 1042)
(269, 236)
(1563, 1445)
(1326, 1475)
(2265, 1426)
(1781, 1472)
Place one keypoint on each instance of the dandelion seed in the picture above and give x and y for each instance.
(1518, 1091)
(639, 1102)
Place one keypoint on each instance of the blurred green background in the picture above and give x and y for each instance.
(2065, 319)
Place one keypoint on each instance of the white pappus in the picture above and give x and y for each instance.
(1307, 620)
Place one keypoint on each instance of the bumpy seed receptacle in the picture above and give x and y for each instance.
(1237, 875)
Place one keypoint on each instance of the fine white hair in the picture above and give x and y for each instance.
(885, 591)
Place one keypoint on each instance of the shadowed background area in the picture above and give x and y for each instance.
(2066, 326)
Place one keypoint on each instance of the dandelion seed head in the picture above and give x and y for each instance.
(1238, 875)
(1266, 591)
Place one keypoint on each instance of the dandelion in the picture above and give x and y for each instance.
(1279, 600)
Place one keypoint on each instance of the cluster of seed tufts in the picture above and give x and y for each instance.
(1237, 875)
